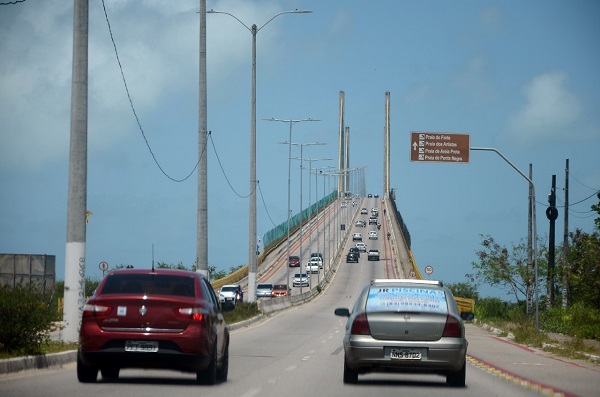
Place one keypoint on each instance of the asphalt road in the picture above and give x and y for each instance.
(298, 352)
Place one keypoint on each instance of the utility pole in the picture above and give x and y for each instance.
(565, 250)
(202, 205)
(551, 214)
(530, 270)
(77, 197)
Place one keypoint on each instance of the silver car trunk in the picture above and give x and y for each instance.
(406, 326)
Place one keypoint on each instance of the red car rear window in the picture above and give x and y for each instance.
(151, 284)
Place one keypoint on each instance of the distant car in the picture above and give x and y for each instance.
(300, 279)
(264, 290)
(355, 250)
(314, 265)
(280, 290)
(372, 220)
(294, 261)
(372, 235)
(359, 224)
(364, 211)
(153, 319)
(373, 255)
(357, 237)
(352, 257)
(361, 247)
(318, 256)
(231, 294)
(399, 325)
(369, 195)
(376, 196)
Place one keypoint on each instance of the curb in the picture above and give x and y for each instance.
(19, 364)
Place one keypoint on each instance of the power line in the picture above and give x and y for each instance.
(225, 175)
(135, 113)
(581, 183)
(12, 2)
(265, 204)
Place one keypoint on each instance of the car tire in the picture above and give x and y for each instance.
(350, 375)
(86, 373)
(224, 369)
(209, 375)
(458, 379)
(110, 374)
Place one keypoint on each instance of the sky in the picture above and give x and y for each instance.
(520, 77)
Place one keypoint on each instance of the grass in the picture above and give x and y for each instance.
(525, 333)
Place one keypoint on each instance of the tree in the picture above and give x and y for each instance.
(464, 290)
(584, 268)
(596, 207)
(506, 269)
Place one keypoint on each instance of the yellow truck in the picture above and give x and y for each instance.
(466, 308)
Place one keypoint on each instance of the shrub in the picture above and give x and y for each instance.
(488, 309)
(26, 317)
(242, 311)
(577, 320)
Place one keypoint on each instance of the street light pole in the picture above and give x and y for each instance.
(301, 210)
(309, 188)
(291, 122)
(253, 251)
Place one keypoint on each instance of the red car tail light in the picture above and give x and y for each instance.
(360, 325)
(194, 314)
(91, 310)
(452, 329)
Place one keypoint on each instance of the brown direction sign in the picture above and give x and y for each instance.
(439, 147)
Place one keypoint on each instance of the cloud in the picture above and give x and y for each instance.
(549, 113)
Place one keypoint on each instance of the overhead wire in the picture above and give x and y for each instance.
(148, 144)
(135, 113)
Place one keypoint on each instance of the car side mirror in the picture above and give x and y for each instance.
(342, 312)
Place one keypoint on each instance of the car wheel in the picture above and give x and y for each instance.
(224, 369)
(458, 379)
(209, 375)
(350, 375)
(110, 374)
(86, 373)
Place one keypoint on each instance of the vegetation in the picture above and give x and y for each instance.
(26, 315)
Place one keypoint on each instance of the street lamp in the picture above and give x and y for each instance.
(289, 143)
(252, 252)
(301, 217)
(309, 188)
(325, 214)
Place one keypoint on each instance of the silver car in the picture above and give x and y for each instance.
(400, 325)
(264, 290)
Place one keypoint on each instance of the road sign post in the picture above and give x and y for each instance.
(428, 271)
(439, 147)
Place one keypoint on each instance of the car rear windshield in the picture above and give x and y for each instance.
(406, 299)
(151, 284)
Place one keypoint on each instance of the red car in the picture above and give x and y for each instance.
(294, 261)
(157, 319)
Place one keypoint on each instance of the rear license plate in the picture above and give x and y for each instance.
(405, 354)
(141, 346)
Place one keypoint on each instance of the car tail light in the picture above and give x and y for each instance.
(360, 325)
(192, 313)
(91, 310)
(452, 329)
